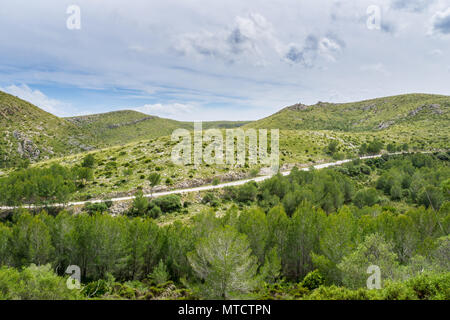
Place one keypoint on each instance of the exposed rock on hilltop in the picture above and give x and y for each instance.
(396, 112)
(298, 107)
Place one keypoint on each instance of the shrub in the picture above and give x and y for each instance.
(140, 205)
(209, 197)
(160, 274)
(247, 192)
(391, 147)
(374, 147)
(34, 283)
(88, 161)
(366, 197)
(155, 212)
(169, 203)
(332, 147)
(128, 171)
(97, 288)
(92, 208)
(313, 280)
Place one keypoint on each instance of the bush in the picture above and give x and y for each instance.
(140, 205)
(339, 293)
(431, 286)
(391, 147)
(155, 212)
(247, 192)
(313, 280)
(97, 288)
(374, 147)
(160, 274)
(128, 172)
(209, 197)
(169, 203)
(34, 283)
(366, 197)
(88, 161)
(108, 203)
(431, 196)
(332, 147)
(92, 208)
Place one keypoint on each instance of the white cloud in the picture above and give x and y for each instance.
(37, 98)
(253, 40)
(411, 5)
(440, 23)
(437, 53)
(327, 47)
(375, 68)
(245, 40)
(176, 111)
(128, 52)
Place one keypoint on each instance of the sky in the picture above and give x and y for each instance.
(219, 60)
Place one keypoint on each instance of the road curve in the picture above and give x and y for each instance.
(196, 189)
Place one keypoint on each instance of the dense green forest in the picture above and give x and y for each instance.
(309, 235)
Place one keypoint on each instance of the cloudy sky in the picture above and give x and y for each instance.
(211, 60)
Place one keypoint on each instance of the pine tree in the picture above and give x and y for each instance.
(225, 264)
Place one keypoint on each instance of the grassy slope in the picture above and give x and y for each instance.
(420, 120)
(56, 137)
(51, 135)
(123, 168)
(361, 116)
(123, 127)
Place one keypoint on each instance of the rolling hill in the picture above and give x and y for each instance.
(28, 132)
(129, 145)
(411, 110)
(120, 127)
(125, 126)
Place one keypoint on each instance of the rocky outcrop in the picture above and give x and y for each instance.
(118, 125)
(7, 111)
(369, 107)
(76, 143)
(119, 207)
(298, 107)
(416, 111)
(385, 125)
(434, 108)
(26, 148)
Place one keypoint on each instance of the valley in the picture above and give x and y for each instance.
(372, 174)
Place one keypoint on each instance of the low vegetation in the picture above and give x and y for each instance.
(308, 235)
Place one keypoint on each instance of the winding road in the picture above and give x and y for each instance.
(196, 189)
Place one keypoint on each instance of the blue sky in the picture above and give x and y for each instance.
(220, 60)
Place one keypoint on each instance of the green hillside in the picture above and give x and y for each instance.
(418, 120)
(130, 145)
(28, 132)
(120, 127)
(125, 126)
(403, 111)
